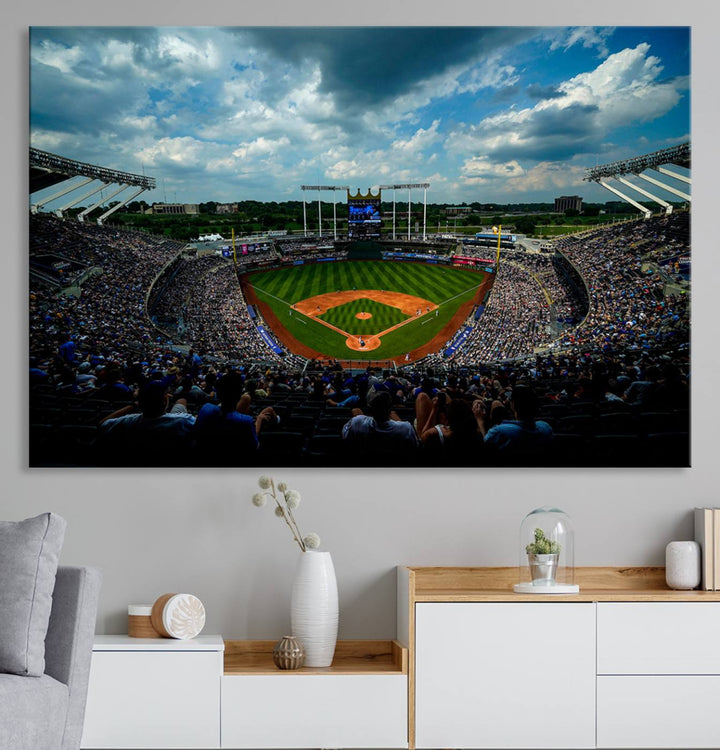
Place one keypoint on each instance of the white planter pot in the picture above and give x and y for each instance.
(314, 607)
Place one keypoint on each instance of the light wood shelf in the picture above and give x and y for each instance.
(351, 657)
(597, 584)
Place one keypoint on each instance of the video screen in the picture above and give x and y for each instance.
(364, 218)
(364, 211)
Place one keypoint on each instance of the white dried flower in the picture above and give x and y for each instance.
(265, 482)
(279, 512)
(258, 499)
(312, 540)
(292, 498)
(282, 486)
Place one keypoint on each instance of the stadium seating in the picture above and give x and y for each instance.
(143, 302)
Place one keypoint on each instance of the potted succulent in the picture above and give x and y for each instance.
(543, 555)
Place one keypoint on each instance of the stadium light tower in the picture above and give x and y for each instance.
(409, 187)
(319, 188)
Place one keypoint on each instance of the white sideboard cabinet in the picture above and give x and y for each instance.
(626, 663)
(208, 693)
(154, 693)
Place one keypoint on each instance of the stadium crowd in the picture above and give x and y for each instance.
(515, 320)
(107, 389)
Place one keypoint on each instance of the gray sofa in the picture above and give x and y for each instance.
(46, 712)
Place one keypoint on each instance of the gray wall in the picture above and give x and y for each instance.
(157, 531)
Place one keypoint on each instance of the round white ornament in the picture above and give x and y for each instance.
(179, 616)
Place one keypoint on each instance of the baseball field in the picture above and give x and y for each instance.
(369, 309)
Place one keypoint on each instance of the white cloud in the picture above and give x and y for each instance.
(57, 56)
(588, 36)
(188, 55)
(261, 147)
(145, 123)
(420, 140)
(621, 91)
(480, 170)
(624, 88)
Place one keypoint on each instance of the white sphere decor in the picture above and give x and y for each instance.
(314, 607)
(682, 565)
(179, 616)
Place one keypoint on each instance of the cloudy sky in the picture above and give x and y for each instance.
(500, 114)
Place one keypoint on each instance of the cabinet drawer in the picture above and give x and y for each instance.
(301, 711)
(660, 711)
(496, 675)
(658, 638)
(153, 700)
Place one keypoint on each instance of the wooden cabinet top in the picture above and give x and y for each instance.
(597, 584)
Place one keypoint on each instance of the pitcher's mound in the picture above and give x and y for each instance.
(363, 315)
(362, 343)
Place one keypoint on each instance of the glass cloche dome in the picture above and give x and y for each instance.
(546, 553)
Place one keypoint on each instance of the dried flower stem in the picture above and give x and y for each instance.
(285, 501)
(288, 517)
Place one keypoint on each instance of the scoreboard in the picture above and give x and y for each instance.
(364, 219)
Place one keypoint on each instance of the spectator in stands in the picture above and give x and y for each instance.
(66, 350)
(227, 434)
(159, 435)
(380, 435)
(640, 391)
(524, 436)
(114, 388)
(448, 430)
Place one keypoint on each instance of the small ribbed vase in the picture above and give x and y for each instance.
(314, 607)
(288, 653)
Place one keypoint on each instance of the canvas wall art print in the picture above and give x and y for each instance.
(372, 246)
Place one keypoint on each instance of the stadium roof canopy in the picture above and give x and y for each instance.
(637, 166)
(48, 169)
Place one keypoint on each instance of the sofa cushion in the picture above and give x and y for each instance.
(32, 712)
(29, 552)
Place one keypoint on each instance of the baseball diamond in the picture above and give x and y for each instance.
(393, 309)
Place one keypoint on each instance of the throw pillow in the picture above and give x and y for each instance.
(29, 552)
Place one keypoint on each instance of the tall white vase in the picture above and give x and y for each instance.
(314, 607)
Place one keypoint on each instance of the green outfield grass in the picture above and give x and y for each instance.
(446, 286)
(383, 316)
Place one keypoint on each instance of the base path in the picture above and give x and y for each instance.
(321, 303)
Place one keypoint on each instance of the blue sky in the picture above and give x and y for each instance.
(496, 114)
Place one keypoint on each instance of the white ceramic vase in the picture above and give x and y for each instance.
(682, 565)
(314, 607)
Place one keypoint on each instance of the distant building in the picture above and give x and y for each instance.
(226, 208)
(568, 203)
(458, 211)
(174, 208)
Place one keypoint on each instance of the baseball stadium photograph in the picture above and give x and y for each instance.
(359, 246)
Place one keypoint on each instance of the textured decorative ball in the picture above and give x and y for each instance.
(288, 653)
(179, 616)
